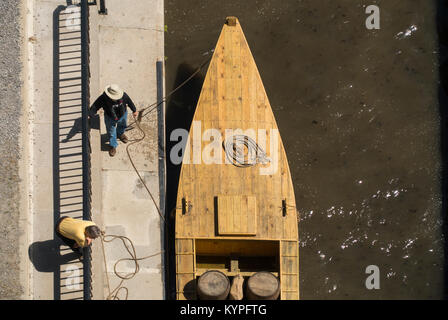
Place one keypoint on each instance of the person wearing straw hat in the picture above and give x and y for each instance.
(114, 102)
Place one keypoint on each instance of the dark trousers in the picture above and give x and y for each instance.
(69, 242)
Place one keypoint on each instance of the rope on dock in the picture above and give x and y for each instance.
(129, 246)
(152, 108)
(127, 243)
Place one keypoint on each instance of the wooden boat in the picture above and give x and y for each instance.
(229, 216)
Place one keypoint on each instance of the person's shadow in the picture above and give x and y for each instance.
(94, 123)
(46, 255)
(77, 128)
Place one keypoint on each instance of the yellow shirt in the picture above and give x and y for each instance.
(75, 229)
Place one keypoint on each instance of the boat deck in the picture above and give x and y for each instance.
(218, 200)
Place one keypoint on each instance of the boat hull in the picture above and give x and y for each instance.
(230, 214)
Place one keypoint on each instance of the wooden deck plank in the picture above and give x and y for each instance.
(252, 219)
(244, 218)
(187, 189)
(213, 81)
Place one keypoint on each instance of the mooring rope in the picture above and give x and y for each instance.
(128, 244)
(154, 106)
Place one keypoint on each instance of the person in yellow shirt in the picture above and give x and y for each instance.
(77, 233)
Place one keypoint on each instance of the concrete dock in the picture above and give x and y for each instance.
(129, 43)
(125, 46)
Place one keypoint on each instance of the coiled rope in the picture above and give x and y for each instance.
(129, 246)
(238, 146)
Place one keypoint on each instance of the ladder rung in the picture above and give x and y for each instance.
(73, 99)
(70, 155)
(68, 177)
(70, 79)
(69, 32)
(68, 120)
(70, 58)
(67, 113)
(72, 85)
(72, 106)
(67, 39)
(71, 211)
(71, 92)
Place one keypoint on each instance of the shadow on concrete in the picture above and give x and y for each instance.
(442, 29)
(50, 245)
(49, 256)
(179, 114)
(94, 123)
(77, 128)
(46, 255)
(104, 142)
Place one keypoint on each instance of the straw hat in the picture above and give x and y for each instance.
(114, 92)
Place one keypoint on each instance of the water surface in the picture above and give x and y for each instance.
(358, 113)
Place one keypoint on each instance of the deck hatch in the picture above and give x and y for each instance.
(237, 215)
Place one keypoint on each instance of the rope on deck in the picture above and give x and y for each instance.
(235, 146)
